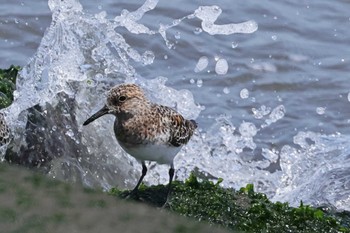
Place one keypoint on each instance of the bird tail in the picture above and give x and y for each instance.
(194, 123)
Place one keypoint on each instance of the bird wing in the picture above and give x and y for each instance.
(181, 129)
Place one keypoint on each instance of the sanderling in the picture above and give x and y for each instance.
(145, 130)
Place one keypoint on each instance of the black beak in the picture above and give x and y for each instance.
(101, 112)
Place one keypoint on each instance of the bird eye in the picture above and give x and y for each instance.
(122, 98)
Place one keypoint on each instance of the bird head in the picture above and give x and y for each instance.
(121, 99)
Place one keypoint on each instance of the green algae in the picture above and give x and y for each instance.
(7, 85)
(242, 210)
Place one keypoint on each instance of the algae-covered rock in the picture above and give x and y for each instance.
(38, 145)
(243, 210)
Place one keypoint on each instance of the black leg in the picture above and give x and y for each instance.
(171, 176)
(144, 171)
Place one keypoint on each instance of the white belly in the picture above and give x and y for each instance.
(160, 153)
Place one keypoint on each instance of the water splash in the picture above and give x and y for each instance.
(80, 57)
(129, 19)
(209, 14)
(317, 171)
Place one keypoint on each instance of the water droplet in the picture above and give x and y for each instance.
(276, 114)
(349, 96)
(192, 81)
(234, 45)
(177, 35)
(70, 133)
(261, 112)
(244, 93)
(165, 57)
(201, 64)
(176, 22)
(91, 83)
(99, 76)
(226, 90)
(320, 110)
(197, 31)
(199, 83)
(147, 58)
(221, 67)
(217, 9)
(274, 37)
(247, 129)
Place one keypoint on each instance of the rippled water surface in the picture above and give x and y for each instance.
(273, 105)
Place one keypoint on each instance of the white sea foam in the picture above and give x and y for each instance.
(209, 14)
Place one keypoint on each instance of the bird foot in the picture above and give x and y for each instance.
(166, 205)
(132, 195)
